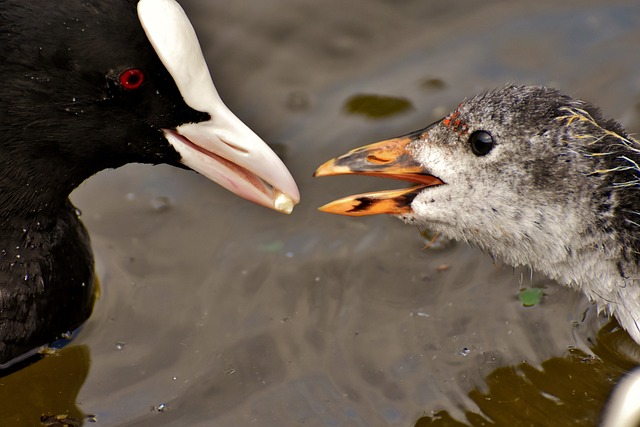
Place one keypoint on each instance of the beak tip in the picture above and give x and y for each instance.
(284, 203)
(325, 169)
(338, 207)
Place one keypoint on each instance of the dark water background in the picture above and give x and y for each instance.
(216, 312)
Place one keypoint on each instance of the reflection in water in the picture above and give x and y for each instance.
(569, 390)
(45, 393)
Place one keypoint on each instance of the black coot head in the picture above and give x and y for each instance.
(87, 85)
(70, 82)
(84, 89)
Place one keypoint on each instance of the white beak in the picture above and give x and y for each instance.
(223, 148)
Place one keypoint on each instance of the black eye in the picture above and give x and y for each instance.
(131, 79)
(481, 142)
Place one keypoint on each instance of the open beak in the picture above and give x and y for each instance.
(227, 152)
(386, 159)
(223, 148)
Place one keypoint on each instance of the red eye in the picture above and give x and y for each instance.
(131, 79)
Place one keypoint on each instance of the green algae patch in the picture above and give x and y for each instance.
(271, 247)
(531, 296)
(377, 106)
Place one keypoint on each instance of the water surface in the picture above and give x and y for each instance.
(218, 312)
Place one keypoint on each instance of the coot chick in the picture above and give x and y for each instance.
(530, 176)
(87, 85)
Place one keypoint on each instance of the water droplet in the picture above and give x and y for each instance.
(120, 345)
(465, 351)
(161, 203)
(161, 407)
(91, 418)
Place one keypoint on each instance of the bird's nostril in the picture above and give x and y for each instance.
(377, 160)
(235, 147)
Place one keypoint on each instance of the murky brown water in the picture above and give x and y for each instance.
(217, 312)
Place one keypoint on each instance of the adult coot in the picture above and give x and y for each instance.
(527, 174)
(87, 85)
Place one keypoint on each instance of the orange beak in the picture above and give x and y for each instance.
(386, 159)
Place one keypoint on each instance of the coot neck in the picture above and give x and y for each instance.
(46, 264)
(35, 190)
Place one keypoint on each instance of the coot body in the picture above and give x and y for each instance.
(87, 85)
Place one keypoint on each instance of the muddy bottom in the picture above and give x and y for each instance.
(214, 311)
